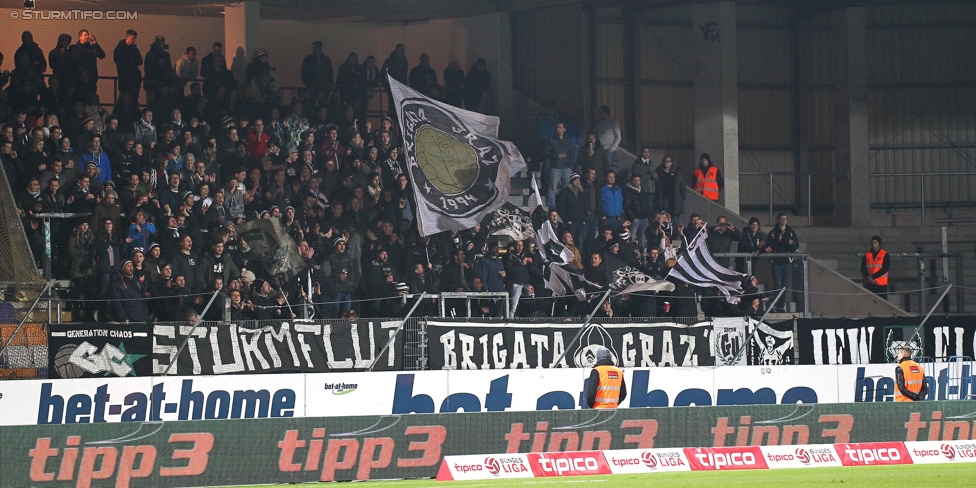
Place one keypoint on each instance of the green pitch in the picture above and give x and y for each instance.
(941, 475)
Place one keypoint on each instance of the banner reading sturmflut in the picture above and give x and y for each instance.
(459, 169)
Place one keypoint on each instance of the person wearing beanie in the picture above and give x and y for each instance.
(605, 387)
(128, 295)
(573, 206)
(751, 239)
(708, 178)
(874, 268)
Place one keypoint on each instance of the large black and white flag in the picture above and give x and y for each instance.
(698, 267)
(460, 170)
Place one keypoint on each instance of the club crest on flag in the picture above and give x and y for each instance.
(459, 168)
(456, 170)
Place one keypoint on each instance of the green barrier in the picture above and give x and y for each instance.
(196, 453)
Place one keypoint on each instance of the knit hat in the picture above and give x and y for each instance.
(402, 287)
(574, 176)
(247, 275)
(257, 284)
(337, 241)
(152, 246)
(124, 262)
(262, 52)
(86, 120)
(754, 220)
(111, 193)
(92, 164)
(227, 120)
(108, 184)
(877, 238)
(186, 194)
(624, 234)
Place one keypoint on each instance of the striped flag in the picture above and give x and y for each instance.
(698, 267)
(559, 275)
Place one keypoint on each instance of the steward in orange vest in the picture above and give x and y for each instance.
(910, 383)
(708, 179)
(874, 268)
(606, 388)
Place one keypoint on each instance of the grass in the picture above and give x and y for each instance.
(941, 475)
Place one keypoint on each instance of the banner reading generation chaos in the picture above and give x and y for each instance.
(282, 347)
(99, 350)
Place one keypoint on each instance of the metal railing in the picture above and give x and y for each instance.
(770, 175)
(804, 262)
(922, 273)
(921, 187)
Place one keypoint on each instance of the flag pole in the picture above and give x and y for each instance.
(742, 350)
(586, 324)
(389, 343)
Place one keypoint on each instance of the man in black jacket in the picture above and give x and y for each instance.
(128, 59)
(782, 239)
(128, 300)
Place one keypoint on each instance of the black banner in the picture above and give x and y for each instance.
(98, 350)
(494, 345)
(772, 344)
(876, 340)
(279, 348)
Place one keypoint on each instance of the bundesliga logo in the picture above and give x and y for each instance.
(491, 464)
(948, 451)
(802, 455)
(649, 460)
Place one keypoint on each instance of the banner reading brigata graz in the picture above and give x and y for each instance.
(98, 350)
(492, 345)
(281, 347)
(239, 452)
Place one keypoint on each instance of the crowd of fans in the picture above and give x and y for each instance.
(162, 189)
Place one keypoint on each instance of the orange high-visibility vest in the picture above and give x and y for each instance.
(873, 264)
(608, 391)
(707, 183)
(913, 379)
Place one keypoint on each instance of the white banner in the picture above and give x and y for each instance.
(94, 400)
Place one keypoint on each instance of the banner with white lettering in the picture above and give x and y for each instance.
(876, 340)
(771, 344)
(495, 345)
(729, 336)
(98, 350)
(281, 347)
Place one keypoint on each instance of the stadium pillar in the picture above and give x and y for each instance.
(716, 92)
(242, 35)
(851, 151)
